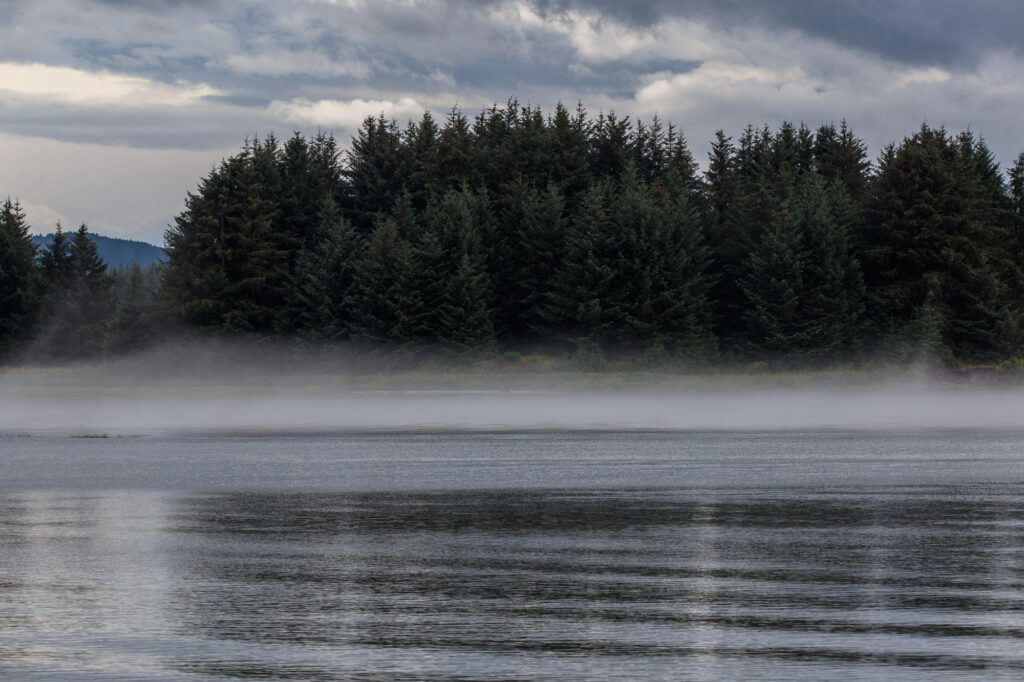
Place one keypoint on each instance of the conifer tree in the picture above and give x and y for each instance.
(135, 321)
(611, 146)
(774, 286)
(927, 241)
(1016, 175)
(579, 308)
(91, 305)
(451, 249)
(568, 136)
(839, 157)
(833, 285)
(18, 277)
(661, 286)
(387, 299)
(322, 286)
(227, 266)
(452, 162)
(527, 251)
(377, 169)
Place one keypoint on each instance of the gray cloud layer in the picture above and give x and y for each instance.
(947, 32)
(200, 75)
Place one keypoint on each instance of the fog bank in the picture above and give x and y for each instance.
(874, 407)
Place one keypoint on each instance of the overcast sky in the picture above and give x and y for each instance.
(111, 110)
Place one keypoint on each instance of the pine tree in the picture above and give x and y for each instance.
(387, 301)
(611, 146)
(937, 216)
(525, 255)
(833, 285)
(568, 136)
(579, 309)
(227, 266)
(377, 170)
(839, 157)
(91, 304)
(774, 287)
(135, 321)
(452, 163)
(451, 248)
(78, 304)
(661, 285)
(322, 286)
(18, 277)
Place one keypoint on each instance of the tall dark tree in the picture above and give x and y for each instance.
(527, 251)
(579, 309)
(226, 268)
(832, 281)
(18, 277)
(611, 146)
(774, 286)
(840, 157)
(321, 300)
(78, 305)
(136, 320)
(928, 241)
(378, 167)
(660, 272)
(91, 303)
(451, 249)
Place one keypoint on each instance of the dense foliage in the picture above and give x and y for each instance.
(567, 233)
(63, 303)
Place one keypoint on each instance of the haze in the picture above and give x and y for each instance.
(218, 391)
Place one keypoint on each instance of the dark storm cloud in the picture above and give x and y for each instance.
(942, 32)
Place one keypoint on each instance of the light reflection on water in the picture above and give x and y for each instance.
(883, 581)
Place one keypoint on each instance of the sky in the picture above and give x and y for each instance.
(112, 110)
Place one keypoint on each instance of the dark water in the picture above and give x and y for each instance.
(810, 555)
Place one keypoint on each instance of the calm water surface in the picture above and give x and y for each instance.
(798, 555)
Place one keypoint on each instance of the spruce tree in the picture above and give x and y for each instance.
(579, 309)
(833, 285)
(91, 304)
(931, 239)
(18, 276)
(322, 286)
(658, 266)
(227, 263)
(377, 169)
(451, 249)
(387, 297)
(774, 286)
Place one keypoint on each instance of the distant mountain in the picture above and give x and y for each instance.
(117, 253)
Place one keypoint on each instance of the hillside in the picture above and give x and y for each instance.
(117, 253)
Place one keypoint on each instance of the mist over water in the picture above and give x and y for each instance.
(279, 409)
(203, 519)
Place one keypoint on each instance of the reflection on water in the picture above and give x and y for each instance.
(873, 583)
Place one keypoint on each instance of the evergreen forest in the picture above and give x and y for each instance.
(595, 238)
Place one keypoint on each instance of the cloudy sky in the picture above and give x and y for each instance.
(111, 110)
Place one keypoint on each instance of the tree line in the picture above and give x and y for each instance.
(62, 302)
(591, 236)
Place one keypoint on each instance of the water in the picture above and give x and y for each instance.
(544, 555)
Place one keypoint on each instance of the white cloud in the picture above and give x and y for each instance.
(42, 219)
(344, 114)
(76, 86)
(926, 77)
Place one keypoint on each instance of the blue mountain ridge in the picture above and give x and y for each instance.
(116, 253)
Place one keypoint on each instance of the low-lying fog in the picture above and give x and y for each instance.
(123, 400)
(876, 408)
